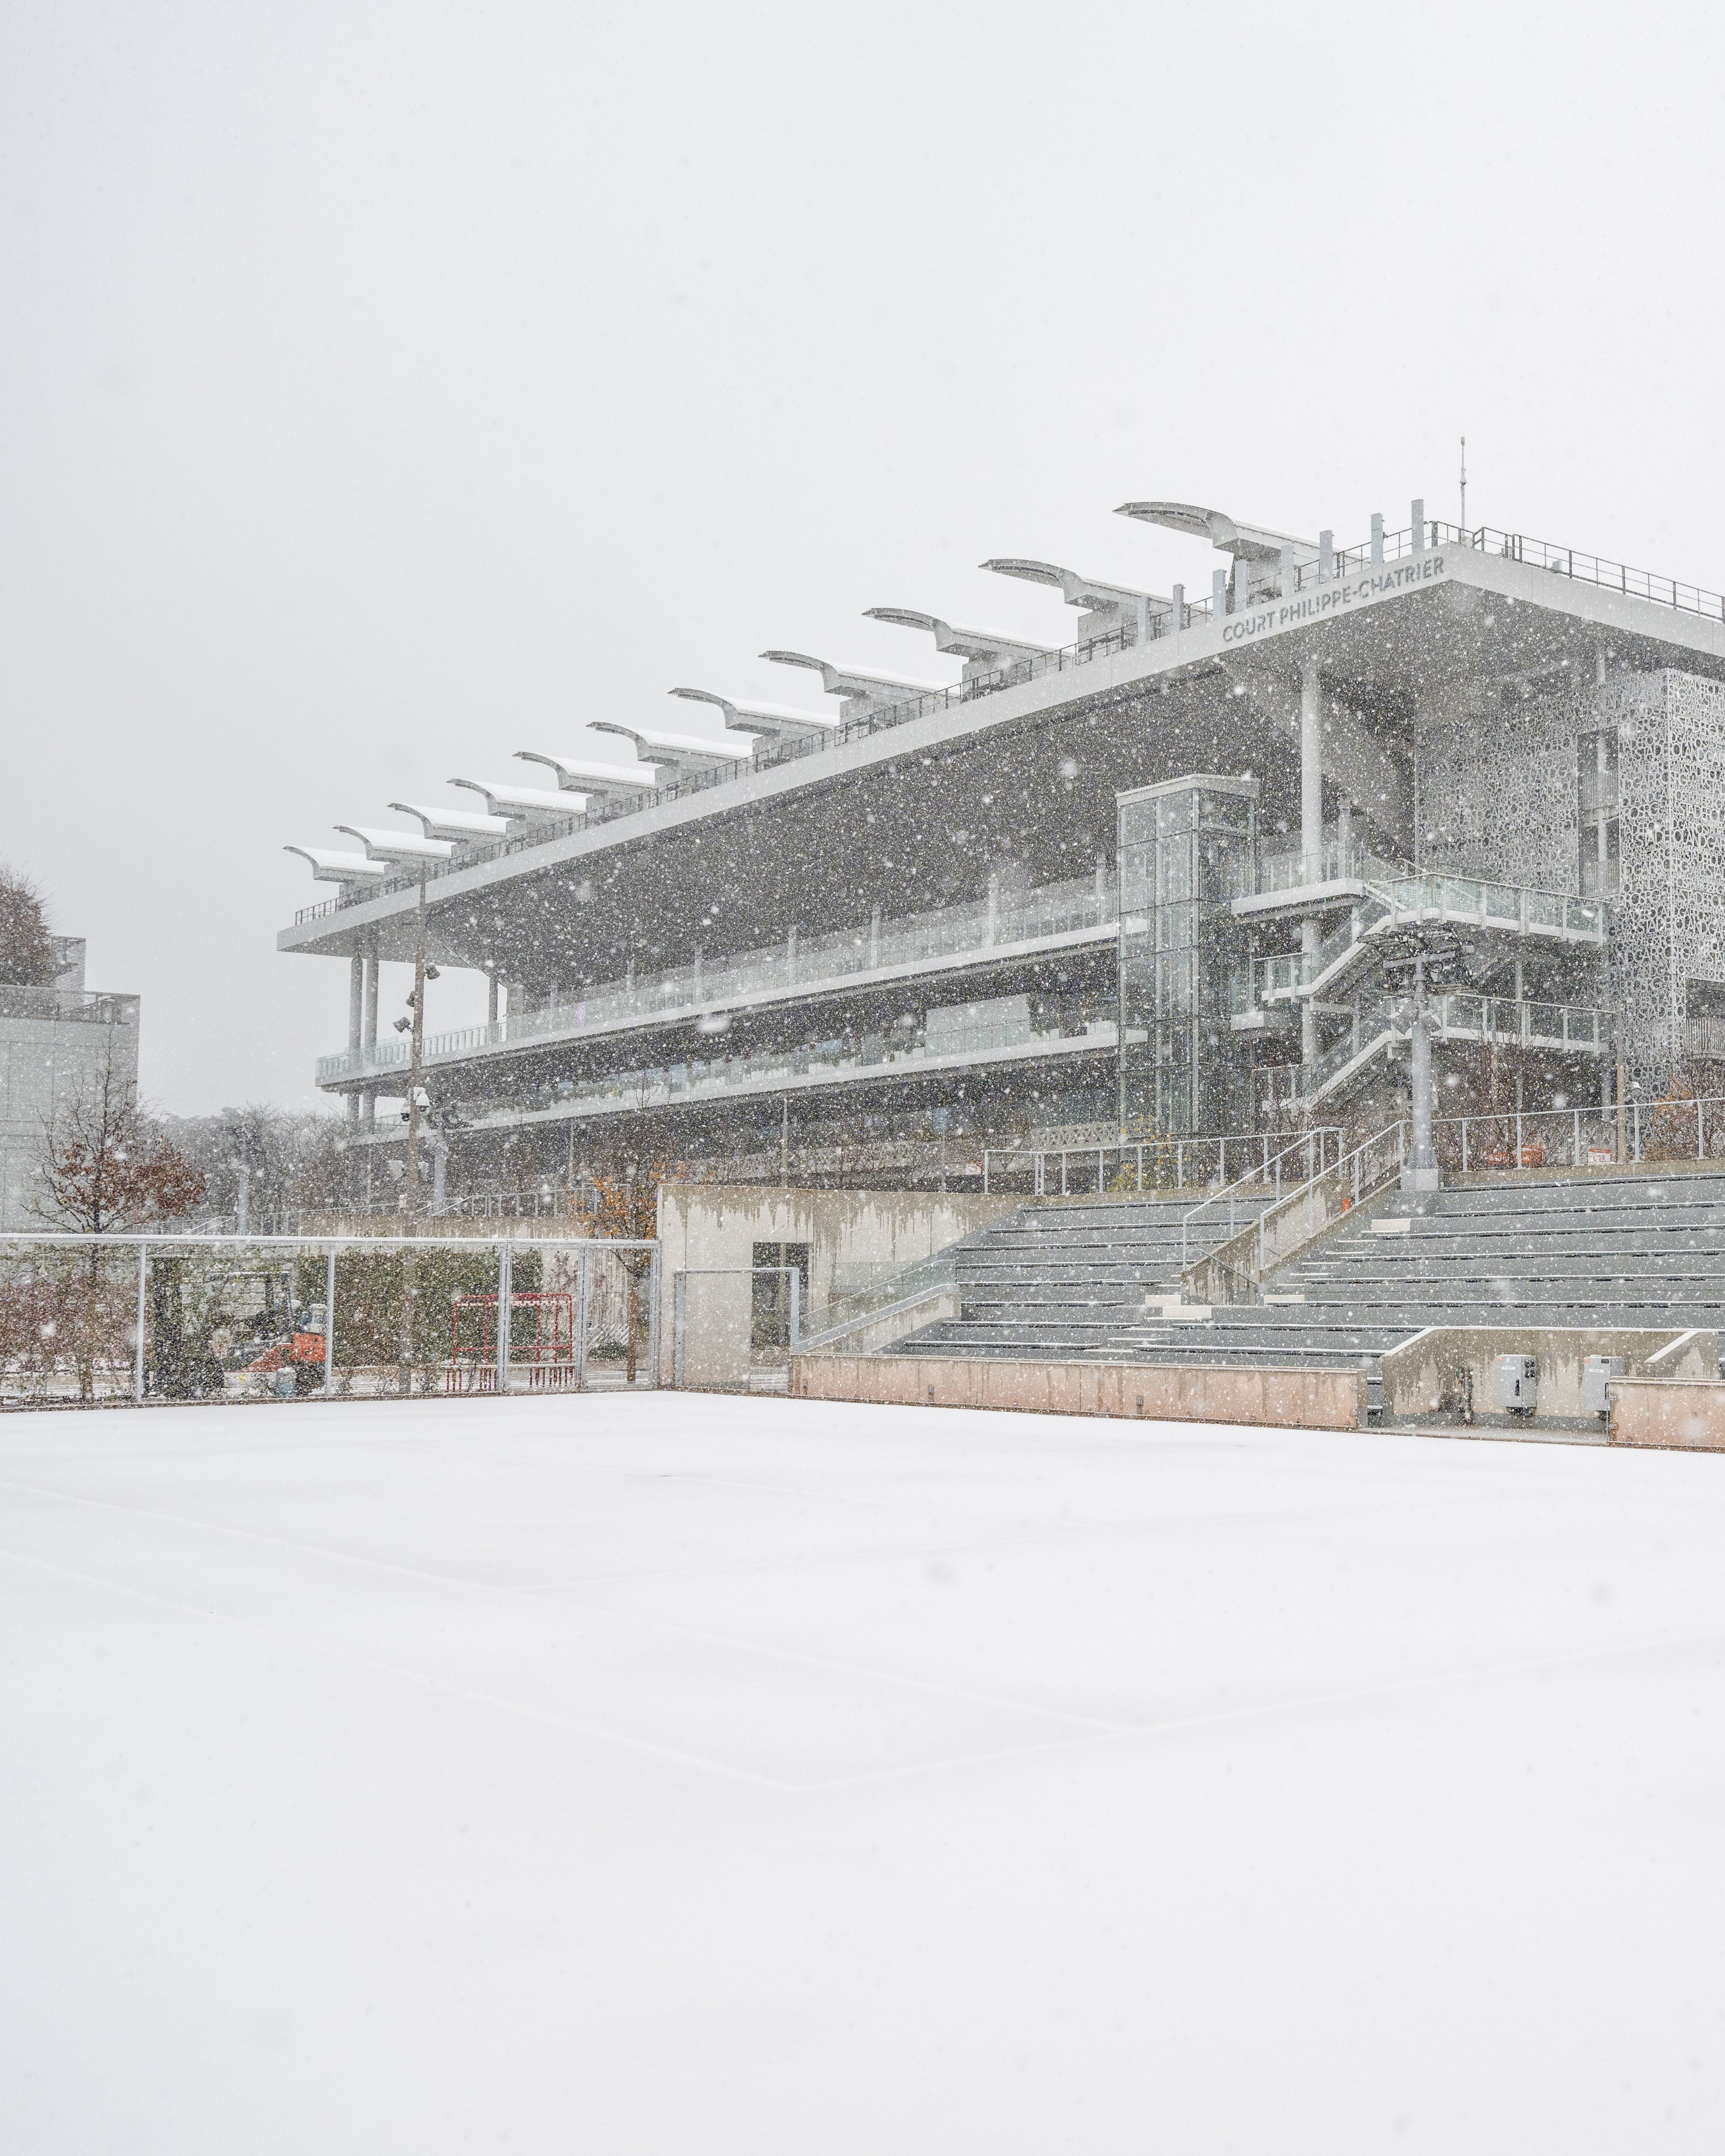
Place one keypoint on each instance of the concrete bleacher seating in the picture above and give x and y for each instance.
(1073, 1282)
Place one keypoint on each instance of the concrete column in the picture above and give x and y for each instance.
(1326, 554)
(1219, 594)
(1377, 535)
(491, 999)
(1141, 621)
(1179, 614)
(873, 936)
(368, 1028)
(368, 1017)
(1421, 1172)
(1312, 834)
(1101, 885)
(1344, 828)
(790, 958)
(993, 906)
(356, 997)
(1419, 1074)
(1311, 770)
(1416, 518)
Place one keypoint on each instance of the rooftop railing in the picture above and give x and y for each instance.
(74, 1006)
(1567, 562)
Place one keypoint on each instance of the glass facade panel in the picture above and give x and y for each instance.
(1186, 851)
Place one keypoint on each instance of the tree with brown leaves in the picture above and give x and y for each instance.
(103, 1168)
(627, 1207)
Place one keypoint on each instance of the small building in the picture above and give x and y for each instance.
(54, 1041)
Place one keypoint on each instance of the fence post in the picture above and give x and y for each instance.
(138, 1357)
(1701, 1124)
(1179, 1165)
(653, 1282)
(581, 1320)
(796, 1307)
(679, 1286)
(505, 1292)
(1635, 1113)
(985, 1171)
(329, 1324)
(1575, 1149)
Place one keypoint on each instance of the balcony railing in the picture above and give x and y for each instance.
(1570, 1028)
(1334, 863)
(899, 1052)
(1461, 899)
(955, 933)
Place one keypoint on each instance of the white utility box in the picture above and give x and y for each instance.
(1516, 1383)
(1597, 1372)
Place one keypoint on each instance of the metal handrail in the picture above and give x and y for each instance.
(1125, 1148)
(1307, 1190)
(1302, 1143)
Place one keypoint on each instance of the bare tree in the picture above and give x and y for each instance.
(104, 1167)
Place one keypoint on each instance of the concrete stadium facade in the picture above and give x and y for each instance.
(1144, 878)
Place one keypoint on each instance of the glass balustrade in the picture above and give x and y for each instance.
(806, 966)
(1461, 1017)
(901, 1051)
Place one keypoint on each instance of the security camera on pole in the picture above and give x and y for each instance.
(1419, 964)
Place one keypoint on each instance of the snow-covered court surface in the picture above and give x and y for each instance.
(675, 1774)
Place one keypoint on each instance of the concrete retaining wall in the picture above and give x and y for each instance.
(1687, 1417)
(851, 1235)
(1420, 1376)
(1278, 1399)
(870, 1335)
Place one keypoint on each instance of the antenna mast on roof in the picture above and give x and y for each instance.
(1463, 482)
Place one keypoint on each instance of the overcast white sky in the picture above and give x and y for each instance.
(386, 388)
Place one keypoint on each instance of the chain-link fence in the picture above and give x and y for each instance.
(99, 1321)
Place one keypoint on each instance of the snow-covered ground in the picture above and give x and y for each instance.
(681, 1773)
